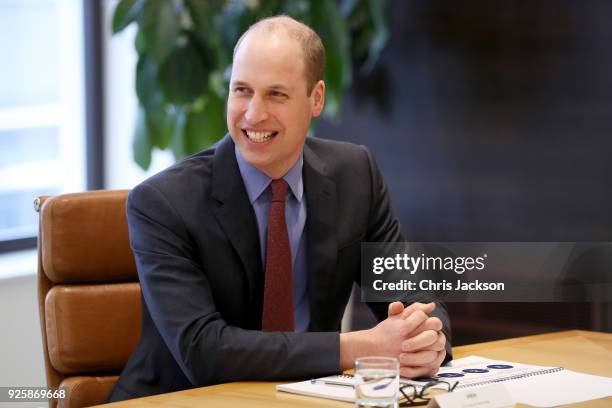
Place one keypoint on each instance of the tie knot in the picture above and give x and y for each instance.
(279, 190)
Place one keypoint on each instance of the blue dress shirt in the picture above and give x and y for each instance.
(260, 196)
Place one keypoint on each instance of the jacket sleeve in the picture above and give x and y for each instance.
(384, 226)
(178, 295)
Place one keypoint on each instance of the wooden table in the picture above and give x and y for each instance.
(583, 351)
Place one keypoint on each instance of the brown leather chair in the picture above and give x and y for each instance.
(88, 293)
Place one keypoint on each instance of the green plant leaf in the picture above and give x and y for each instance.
(185, 54)
(126, 12)
(271, 8)
(140, 43)
(152, 101)
(379, 38)
(347, 7)
(178, 146)
(218, 85)
(339, 38)
(161, 28)
(206, 37)
(141, 146)
(183, 76)
(298, 9)
(206, 125)
(146, 81)
(233, 21)
(334, 33)
(162, 127)
(203, 12)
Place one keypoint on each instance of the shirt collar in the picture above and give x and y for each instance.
(257, 182)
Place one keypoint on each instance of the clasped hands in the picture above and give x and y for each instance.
(408, 334)
(421, 341)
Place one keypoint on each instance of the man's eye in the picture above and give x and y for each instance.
(277, 94)
(241, 90)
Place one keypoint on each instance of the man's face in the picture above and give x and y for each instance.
(268, 109)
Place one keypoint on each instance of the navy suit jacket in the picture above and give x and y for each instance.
(194, 236)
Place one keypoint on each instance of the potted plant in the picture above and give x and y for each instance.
(185, 53)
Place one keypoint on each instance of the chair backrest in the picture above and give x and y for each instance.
(88, 293)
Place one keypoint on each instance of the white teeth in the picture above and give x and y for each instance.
(258, 136)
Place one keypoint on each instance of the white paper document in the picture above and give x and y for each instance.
(337, 387)
(528, 384)
(539, 386)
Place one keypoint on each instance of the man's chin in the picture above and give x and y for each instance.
(258, 160)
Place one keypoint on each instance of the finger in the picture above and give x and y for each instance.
(419, 358)
(424, 307)
(440, 359)
(429, 370)
(414, 372)
(395, 308)
(435, 366)
(424, 340)
(432, 323)
(412, 322)
(439, 344)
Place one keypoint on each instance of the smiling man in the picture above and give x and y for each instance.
(247, 252)
(271, 99)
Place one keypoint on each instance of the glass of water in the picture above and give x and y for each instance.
(376, 382)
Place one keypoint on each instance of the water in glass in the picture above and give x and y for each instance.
(376, 382)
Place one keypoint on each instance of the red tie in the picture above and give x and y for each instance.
(278, 286)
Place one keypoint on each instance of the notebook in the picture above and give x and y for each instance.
(539, 386)
(336, 387)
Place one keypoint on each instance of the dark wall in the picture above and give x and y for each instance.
(492, 121)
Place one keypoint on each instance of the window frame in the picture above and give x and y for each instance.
(93, 111)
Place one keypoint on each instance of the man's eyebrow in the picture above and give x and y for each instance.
(280, 86)
(239, 83)
(275, 87)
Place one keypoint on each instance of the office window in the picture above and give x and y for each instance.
(42, 137)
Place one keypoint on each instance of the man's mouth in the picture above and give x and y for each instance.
(259, 136)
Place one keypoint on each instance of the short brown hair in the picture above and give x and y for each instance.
(310, 42)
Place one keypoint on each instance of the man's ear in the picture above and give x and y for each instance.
(318, 98)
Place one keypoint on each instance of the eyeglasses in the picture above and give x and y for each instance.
(416, 397)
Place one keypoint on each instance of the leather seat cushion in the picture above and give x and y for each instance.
(85, 238)
(92, 328)
(87, 391)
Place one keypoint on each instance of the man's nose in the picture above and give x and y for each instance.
(256, 111)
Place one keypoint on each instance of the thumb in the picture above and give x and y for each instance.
(395, 308)
(424, 307)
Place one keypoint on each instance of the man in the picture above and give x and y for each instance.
(247, 252)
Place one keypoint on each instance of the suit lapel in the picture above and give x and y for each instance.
(235, 214)
(321, 234)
